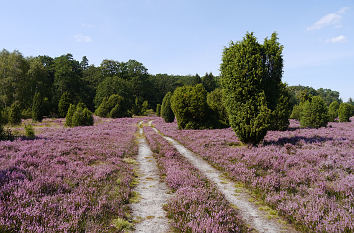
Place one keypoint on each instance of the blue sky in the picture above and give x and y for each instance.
(188, 36)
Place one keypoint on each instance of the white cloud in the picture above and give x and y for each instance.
(337, 39)
(328, 20)
(81, 38)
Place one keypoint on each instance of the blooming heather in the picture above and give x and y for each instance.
(306, 174)
(67, 179)
(196, 206)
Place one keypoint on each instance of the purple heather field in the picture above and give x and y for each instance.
(196, 206)
(305, 174)
(67, 179)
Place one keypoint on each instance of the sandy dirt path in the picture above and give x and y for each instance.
(153, 194)
(238, 197)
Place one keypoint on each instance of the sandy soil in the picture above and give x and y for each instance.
(153, 194)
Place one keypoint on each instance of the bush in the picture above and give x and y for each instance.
(333, 111)
(64, 104)
(15, 114)
(103, 109)
(216, 104)
(115, 107)
(189, 105)
(26, 113)
(158, 109)
(82, 117)
(296, 112)
(29, 131)
(314, 114)
(251, 77)
(166, 110)
(144, 107)
(69, 115)
(280, 115)
(344, 112)
(37, 107)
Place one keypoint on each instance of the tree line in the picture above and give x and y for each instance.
(249, 95)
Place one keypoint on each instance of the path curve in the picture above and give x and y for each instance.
(251, 214)
(148, 213)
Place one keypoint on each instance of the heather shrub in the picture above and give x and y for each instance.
(314, 114)
(189, 104)
(216, 104)
(158, 109)
(344, 112)
(64, 104)
(29, 131)
(333, 111)
(37, 107)
(166, 111)
(14, 114)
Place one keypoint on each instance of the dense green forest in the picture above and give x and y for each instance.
(62, 81)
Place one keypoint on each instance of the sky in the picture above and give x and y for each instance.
(188, 36)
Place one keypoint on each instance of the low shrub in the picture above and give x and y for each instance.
(215, 103)
(314, 114)
(158, 109)
(15, 114)
(29, 131)
(333, 111)
(79, 116)
(166, 111)
(344, 112)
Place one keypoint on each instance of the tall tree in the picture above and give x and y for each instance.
(244, 71)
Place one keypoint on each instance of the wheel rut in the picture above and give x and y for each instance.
(152, 194)
(239, 197)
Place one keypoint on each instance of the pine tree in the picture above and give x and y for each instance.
(333, 111)
(166, 111)
(314, 114)
(69, 115)
(64, 104)
(158, 109)
(344, 112)
(243, 72)
(37, 107)
(15, 114)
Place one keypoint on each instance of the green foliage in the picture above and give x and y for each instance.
(37, 107)
(158, 109)
(216, 104)
(333, 111)
(114, 85)
(251, 78)
(344, 112)
(314, 114)
(166, 110)
(189, 105)
(69, 115)
(29, 131)
(103, 109)
(144, 107)
(81, 117)
(296, 112)
(209, 82)
(282, 111)
(26, 113)
(15, 114)
(64, 104)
